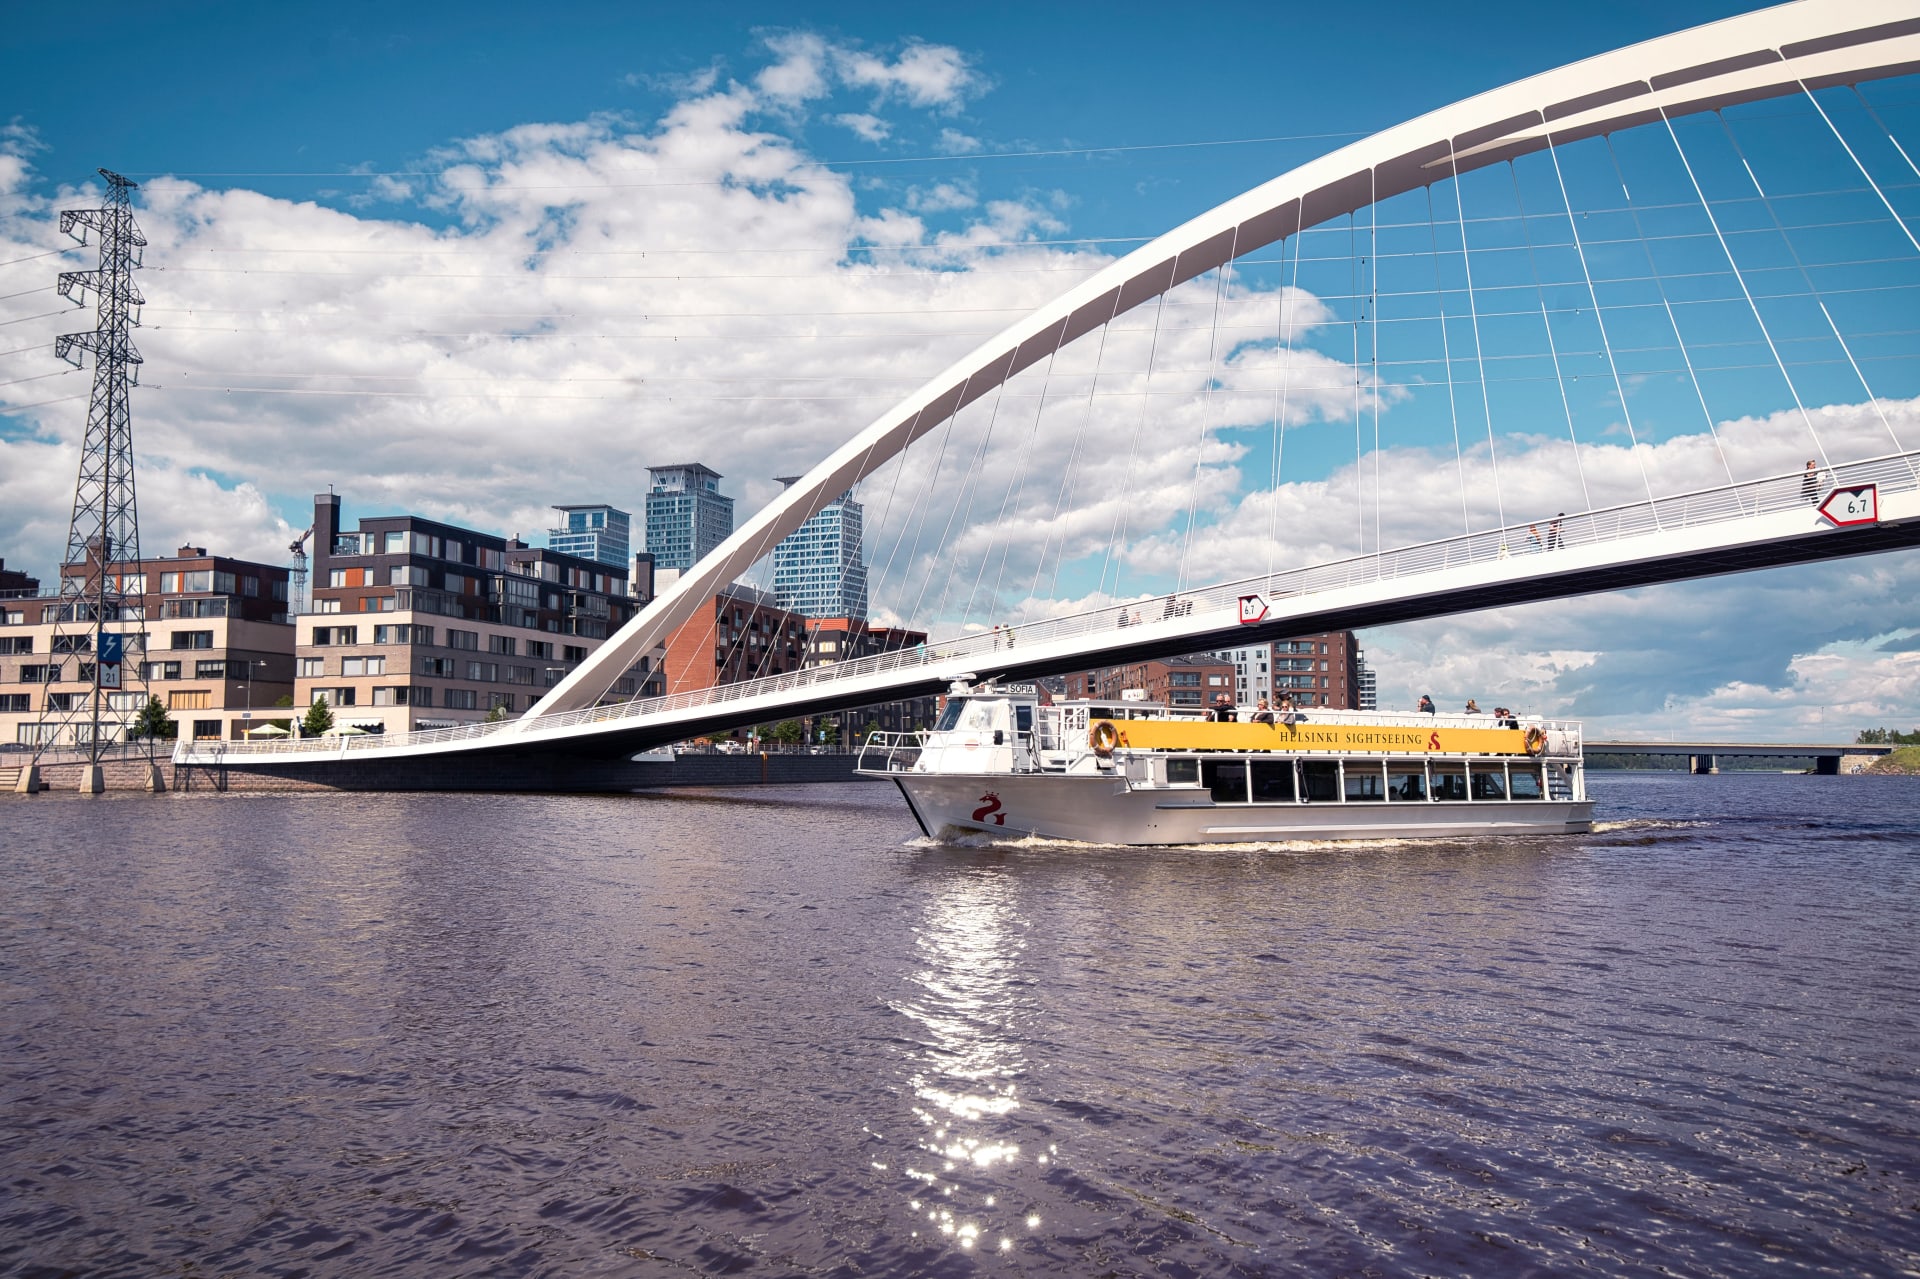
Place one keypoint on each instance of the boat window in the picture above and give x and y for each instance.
(1406, 783)
(1449, 778)
(1525, 779)
(1366, 780)
(1489, 781)
(1320, 779)
(1226, 778)
(1023, 718)
(1272, 781)
(950, 717)
(1183, 772)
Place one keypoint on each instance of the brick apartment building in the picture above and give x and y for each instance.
(742, 634)
(208, 635)
(1170, 681)
(840, 639)
(420, 624)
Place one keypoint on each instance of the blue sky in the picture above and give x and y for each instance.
(325, 310)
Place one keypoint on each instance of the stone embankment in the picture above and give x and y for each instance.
(538, 774)
(1904, 762)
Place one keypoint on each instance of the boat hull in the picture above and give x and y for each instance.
(1102, 809)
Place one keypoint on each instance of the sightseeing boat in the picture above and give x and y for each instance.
(1000, 761)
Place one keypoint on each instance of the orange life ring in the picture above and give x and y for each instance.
(1536, 742)
(1104, 737)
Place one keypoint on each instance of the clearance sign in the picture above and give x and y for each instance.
(1347, 739)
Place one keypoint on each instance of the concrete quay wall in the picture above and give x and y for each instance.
(516, 773)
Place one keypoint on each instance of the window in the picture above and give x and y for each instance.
(462, 699)
(312, 667)
(441, 666)
(401, 696)
(491, 559)
(210, 670)
(501, 644)
(1272, 781)
(1227, 779)
(16, 644)
(485, 672)
(406, 575)
(250, 586)
(189, 699)
(17, 703)
(1406, 782)
(1449, 779)
(403, 634)
(541, 649)
(394, 542)
(1320, 780)
(193, 639)
(1489, 781)
(575, 652)
(326, 606)
(334, 696)
(519, 674)
(72, 644)
(224, 584)
(41, 674)
(1365, 781)
(363, 666)
(1525, 782)
(65, 701)
(151, 671)
(323, 636)
(206, 730)
(463, 639)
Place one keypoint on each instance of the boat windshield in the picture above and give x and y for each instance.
(950, 717)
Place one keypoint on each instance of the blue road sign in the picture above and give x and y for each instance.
(112, 649)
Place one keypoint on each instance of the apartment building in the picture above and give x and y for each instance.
(1171, 681)
(1324, 669)
(742, 634)
(420, 624)
(820, 568)
(208, 635)
(840, 639)
(686, 514)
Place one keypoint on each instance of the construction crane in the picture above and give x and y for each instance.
(298, 572)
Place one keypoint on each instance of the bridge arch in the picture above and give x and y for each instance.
(1793, 48)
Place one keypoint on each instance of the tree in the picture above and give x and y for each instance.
(152, 721)
(498, 713)
(1888, 737)
(830, 732)
(319, 719)
(788, 731)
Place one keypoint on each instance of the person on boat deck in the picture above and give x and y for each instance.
(1506, 717)
(1223, 712)
(1426, 703)
(1473, 707)
(1263, 714)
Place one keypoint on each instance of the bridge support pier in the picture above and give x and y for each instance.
(1703, 764)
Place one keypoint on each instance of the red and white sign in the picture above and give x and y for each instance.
(1857, 505)
(1252, 609)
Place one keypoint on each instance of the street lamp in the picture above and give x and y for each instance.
(247, 718)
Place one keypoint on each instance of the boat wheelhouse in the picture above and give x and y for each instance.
(1001, 761)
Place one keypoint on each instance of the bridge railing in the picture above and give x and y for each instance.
(1893, 472)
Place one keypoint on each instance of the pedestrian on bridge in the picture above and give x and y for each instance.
(1810, 481)
(1426, 704)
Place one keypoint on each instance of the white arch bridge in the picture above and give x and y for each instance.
(1766, 513)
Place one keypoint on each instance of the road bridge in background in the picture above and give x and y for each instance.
(1828, 759)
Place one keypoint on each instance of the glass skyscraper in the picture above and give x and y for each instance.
(686, 516)
(820, 568)
(598, 533)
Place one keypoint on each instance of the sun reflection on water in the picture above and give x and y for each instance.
(967, 999)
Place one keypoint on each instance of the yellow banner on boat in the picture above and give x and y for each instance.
(1345, 739)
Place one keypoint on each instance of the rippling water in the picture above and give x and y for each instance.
(771, 1033)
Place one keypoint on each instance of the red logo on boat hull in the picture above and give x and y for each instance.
(989, 810)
